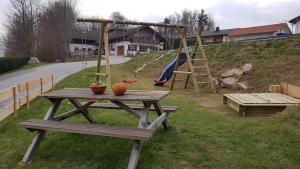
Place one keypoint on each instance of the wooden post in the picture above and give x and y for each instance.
(27, 96)
(106, 46)
(52, 82)
(177, 65)
(41, 82)
(15, 101)
(103, 25)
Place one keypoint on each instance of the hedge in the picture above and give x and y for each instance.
(11, 63)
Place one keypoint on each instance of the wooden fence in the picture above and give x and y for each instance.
(14, 97)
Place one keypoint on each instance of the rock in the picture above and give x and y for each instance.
(233, 72)
(247, 67)
(33, 60)
(229, 81)
(242, 85)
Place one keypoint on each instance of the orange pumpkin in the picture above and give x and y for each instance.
(119, 88)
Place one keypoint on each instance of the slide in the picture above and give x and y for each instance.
(168, 71)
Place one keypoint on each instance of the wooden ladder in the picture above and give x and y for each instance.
(198, 68)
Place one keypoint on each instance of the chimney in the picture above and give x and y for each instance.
(217, 29)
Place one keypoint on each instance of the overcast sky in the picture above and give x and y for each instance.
(227, 13)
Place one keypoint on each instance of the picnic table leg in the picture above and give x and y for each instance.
(41, 133)
(85, 112)
(137, 146)
(160, 111)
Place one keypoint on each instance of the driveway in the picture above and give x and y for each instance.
(59, 71)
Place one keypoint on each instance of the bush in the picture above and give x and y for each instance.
(11, 63)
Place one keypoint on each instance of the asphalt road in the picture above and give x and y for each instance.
(59, 70)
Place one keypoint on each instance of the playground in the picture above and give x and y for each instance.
(202, 132)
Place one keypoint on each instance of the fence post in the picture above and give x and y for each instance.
(15, 100)
(52, 82)
(27, 96)
(41, 82)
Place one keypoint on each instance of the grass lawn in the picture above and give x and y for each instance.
(203, 134)
(26, 67)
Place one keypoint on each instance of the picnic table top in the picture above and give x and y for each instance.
(86, 93)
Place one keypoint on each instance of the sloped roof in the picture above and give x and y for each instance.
(223, 32)
(131, 31)
(258, 29)
(90, 35)
(295, 20)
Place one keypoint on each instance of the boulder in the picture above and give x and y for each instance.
(247, 67)
(229, 81)
(233, 72)
(33, 60)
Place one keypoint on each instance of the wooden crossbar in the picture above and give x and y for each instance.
(91, 129)
(132, 106)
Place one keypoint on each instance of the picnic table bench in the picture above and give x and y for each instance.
(145, 130)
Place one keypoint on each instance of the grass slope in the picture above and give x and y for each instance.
(201, 135)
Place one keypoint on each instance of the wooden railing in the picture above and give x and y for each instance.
(11, 99)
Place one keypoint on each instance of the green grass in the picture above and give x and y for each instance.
(199, 137)
(26, 67)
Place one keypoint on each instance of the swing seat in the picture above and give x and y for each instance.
(129, 81)
(159, 82)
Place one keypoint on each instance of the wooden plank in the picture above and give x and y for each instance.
(132, 106)
(156, 123)
(293, 91)
(108, 95)
(6, 94)
(275, 88)
(47, 78)
(91, 129)
(34, 83)
(22, 87)
(107, 57)
(6, 111)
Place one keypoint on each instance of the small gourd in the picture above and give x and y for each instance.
(119, 88)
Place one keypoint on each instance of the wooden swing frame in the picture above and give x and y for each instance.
(104, 44)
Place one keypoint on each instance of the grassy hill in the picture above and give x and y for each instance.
(273, 61)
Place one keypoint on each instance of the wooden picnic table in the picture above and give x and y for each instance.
(145, 130)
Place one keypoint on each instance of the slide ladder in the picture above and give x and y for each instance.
(198, 68)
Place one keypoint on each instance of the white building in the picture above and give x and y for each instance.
(260, 32)
(122, 42)
(295, 24)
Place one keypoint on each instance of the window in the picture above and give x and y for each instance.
(83, 49)
(89, 49)
(132, 47)
(143, 48)
(76, 49)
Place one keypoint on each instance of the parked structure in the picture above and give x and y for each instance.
(124, 42)
(217, 36)
(295, 24)
(260, 32)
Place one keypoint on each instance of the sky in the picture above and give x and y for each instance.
(226, 13)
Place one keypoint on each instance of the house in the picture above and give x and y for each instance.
(130, 41)
(260, 32)
(84, 43)
(217, 36)
(122, 41)
(295, 24)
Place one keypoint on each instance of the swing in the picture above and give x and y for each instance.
(130, 80)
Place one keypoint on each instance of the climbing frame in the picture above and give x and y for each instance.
(198, 69)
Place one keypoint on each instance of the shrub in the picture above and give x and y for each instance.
(11, 63)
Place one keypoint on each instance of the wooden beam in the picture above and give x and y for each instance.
(103, 25)
(129, 22)
(106, 48)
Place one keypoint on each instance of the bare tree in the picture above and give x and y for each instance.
(56, 26)
(205, 21)
(20, 36)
